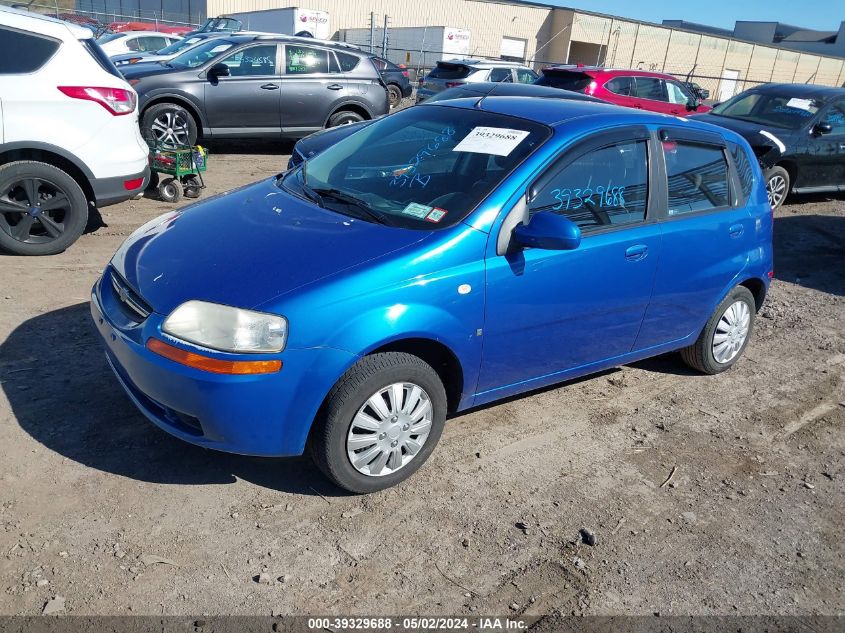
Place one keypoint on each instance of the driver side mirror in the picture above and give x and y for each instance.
(824, 127)
(218, 70)
(548, 231)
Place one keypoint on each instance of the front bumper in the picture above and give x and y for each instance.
(265, 415)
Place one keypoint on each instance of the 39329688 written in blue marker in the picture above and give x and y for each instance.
(407, 176)
(602, 197)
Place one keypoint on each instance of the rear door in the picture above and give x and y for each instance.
(311, 83)
(707, 233)
(622, 90)
(651, 95)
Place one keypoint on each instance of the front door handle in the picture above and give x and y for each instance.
(636, 253)
(334, 87)
(270, 87)
(736, 230)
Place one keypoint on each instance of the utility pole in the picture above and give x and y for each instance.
(384, 36)
(372, 31)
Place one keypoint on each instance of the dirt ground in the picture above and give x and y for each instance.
(750, 521)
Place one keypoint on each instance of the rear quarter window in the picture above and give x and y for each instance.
(743, 169)
(449, 71)
(347, 62)
(576, 82)
(22, 52)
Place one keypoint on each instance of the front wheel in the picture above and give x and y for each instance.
(381, 421)
(726, 334)
(777, 185)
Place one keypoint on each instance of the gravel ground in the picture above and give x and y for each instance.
(701, 495)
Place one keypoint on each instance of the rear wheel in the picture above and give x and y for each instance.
(169, 125)
(394, 95)
(42, 209)
(380, 423)
(777, 185)
(344, 117)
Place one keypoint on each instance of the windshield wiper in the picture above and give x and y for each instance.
(312, 195)
(352, 201)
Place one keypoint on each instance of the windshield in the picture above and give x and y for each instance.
(780, 111)
(201, 53)
(421, 168)
(179, 45)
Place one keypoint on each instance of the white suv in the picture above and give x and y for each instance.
(457, 72)
(69, 135)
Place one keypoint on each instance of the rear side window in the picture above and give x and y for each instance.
(347, 62)
(302, 60)
(24, 52)
(698, 177)
(650, 88)
(525, 76)
(621, 86)
(743, 170)
(100, 57)
(501, 74)
(577, 82)
(449, 71)
(604, 187)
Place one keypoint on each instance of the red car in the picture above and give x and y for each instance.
(632, 88)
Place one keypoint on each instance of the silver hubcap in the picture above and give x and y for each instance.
(170, 128)
(389, 429)
(776, 188)
(731, 332)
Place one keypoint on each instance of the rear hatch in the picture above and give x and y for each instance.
(574, 80)
(446, 75)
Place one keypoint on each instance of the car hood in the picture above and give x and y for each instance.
(246, 247)
(750, 131)
(146, 69)
(317, 142)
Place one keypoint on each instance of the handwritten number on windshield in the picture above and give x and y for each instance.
(407, 176)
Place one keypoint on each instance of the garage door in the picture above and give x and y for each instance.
(512, 49)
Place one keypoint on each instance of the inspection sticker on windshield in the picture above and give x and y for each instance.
(498, 141)
(417, 210)
(801, 104)
(436, 214)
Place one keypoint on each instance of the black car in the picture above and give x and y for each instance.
(316, 143)
(248, 86)
(396, 78)
(797, 132)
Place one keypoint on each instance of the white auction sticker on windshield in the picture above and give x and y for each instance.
(801, 104)
(498, 141)
(417, 210)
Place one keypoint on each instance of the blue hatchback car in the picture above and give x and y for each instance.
(441, 258)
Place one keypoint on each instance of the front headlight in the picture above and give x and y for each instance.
(226, 328)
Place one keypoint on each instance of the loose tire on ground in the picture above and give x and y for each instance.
(60, 209)
(192, 187)
(700, 355)
(328, 441)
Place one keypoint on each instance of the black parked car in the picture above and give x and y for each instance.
(317, 142)
(248, 86)
(797, 132)
(396, 78)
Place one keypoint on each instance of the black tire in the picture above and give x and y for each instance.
(46, 232)
(344, 117)
(184, 120)
(170, 190)
(700, 354)
(192, 187)
(777, 177)
(327, 441)
(394, 95)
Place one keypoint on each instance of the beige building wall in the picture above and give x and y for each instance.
(565, 36)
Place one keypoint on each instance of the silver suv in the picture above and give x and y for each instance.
(457, 72)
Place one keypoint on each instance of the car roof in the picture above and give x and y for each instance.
(279, 37)
(481, 62)
(501, 89)
(800, 90)
(155, 33)
(599, 70)
(43, 24)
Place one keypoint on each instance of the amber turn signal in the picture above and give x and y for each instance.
(214, 365)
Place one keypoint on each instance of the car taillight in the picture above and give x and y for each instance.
(405, 73)
(116, 100)
(452, 84)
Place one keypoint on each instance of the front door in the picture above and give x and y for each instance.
(552, 311)
(248, 99)
(824, 159)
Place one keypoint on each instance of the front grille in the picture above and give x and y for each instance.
(137, 308)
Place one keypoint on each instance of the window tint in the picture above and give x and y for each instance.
(380, 64)
(525, 76)
(622, 86)
(302, 60)
(449, 71)
(605, 187)
(676, 93)
(743, 170)
(577, 82)
(255, 60)
(698, 177)
(501, 74)
(347, 62)
(650, 88)
(836, 118)
(24, 52)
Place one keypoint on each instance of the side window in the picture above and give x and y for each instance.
(133, 44)
(379, 63)
(650, 88)
(676, 93)
(347, 62)
(698, 177)
(151, 43)
(604, 187)
(836, 117)
(743, 170)
(501, 74)
(24, 52)
(255, 60)
(622, 86)
(302, 60)
(525, 76)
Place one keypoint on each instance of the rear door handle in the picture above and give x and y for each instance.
(269, 87)
(334, 87)
(736, 230)
(636, 253)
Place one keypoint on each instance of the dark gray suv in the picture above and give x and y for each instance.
(248, 86)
